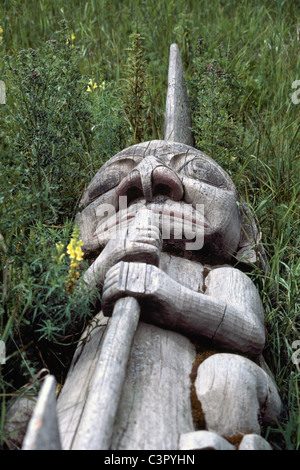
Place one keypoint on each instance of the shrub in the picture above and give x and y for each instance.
(216, 105)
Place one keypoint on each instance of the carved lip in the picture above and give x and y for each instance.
(175, 211)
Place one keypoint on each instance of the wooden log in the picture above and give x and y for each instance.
(43, 432)
(153, 409)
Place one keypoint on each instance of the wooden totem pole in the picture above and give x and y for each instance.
(174, 359)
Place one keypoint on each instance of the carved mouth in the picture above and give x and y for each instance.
(171, 214)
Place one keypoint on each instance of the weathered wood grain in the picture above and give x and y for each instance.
(73, 396)
(155, 404)
(140, 168)
(43, 431)
(17, 417)
(96, 425)
(182, 309)
(178, 299)
(140, 240)
(203, 440)
(177, 116)
(254, 442)
(188, 273)
(234, 394)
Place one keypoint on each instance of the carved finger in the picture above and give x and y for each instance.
(114, 270)
(145, 235)
(111, 281)
(111, 294)
(147, 241)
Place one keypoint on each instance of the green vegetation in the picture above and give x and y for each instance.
(87, 79)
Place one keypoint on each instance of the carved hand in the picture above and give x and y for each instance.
(182, 309)
(131, 279)
(141, 241)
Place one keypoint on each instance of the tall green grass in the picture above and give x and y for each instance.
(263, 38)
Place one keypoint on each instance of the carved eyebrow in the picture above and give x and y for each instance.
(185, 163)
(216, 176)
(131, 160)
(177, 159)
(111, 174)
(187, 159)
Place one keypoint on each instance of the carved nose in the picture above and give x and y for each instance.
(151, 178)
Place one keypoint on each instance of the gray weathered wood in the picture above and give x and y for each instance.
(250, 395)
(155, 405)
(73, 396)
(96, 424)
(156, 391)
(183, 292)
(17, 417)
(177, 118)
(140, 240)
(43, 432)
(185, 310)
(224, 233)
(254, 442)
(203, 440)
(250, 249)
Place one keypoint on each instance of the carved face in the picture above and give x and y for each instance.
(169, 177)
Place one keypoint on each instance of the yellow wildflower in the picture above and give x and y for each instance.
(91, 86)
(60, 254)
(72, 39)
(76, 255)
(1, 32)
(244, 179)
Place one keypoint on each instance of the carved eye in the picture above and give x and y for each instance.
(111, 176)
(203, 170)
(108, 180)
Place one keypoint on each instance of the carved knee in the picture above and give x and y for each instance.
(235, 395)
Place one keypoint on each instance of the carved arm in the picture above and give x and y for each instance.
(182, 309)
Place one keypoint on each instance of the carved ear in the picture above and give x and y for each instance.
(250, 249)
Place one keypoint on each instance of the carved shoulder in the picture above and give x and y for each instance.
(235, 288)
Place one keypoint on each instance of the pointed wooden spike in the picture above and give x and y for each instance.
(42, 432)
(177, 116)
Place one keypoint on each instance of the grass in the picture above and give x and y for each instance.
(263, 39)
